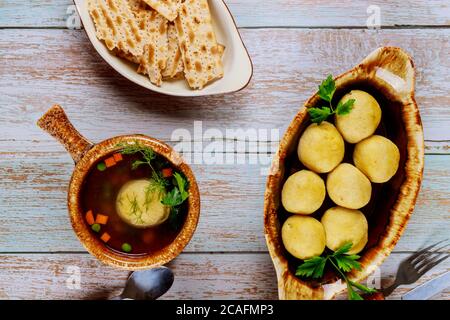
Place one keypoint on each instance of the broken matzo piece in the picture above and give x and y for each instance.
(167, 8)
(116, 25)
(174, 66)
(137, 5)
(154, 59)
(201, 53)
(221, 49)
(127, 56)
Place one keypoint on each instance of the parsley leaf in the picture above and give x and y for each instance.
(352, 294)
(345, 108)
(319, 114)
(172, 198)
(344, 249)
(182, 183)
(312, 267)
(326, 92)
(327, 89)
(175, 197)
(178, 194)
(342, 263)
(348, 263)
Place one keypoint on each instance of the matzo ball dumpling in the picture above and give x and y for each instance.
(363, 119)
(377, 157)
(348, 187)
(303, 237)
(303, 192)
(344, 225)
(146, 210)
(321, 147)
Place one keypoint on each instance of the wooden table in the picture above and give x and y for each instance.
(293, 45)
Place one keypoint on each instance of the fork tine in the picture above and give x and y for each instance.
(424, 250)
(433, 263)
(425, 258)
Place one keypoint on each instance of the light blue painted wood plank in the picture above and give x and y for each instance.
(197, 276)
(33, 215)
(43, 67)
(257, 13)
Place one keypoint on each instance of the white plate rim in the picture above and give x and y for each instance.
(108, 57)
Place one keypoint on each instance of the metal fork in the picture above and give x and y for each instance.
(414, 267)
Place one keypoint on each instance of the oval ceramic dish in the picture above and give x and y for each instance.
(238, 68)
(86, 154)
(387, 74)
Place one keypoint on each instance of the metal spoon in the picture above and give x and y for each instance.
(147, 285)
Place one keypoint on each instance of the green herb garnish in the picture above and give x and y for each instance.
(175, 190)
(133, 204)
(326, 92)
(342, 262)
(147, 153)
(173, 217)
(178, 194)
(148, 156)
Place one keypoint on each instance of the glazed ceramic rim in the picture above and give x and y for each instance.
(95, 246)
(400, 211)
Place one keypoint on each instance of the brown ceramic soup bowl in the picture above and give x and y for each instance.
(388, 75)
(86, 155)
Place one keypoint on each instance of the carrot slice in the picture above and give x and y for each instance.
(105, 237)
(117, 157)
(110, 162)
(167, 172)
(90, 218)
(101, 219)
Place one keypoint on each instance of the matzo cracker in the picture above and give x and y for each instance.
(174, 65)
(154, 59)
(137, 5)
(167, 8)
(201, 53)
(116, 25)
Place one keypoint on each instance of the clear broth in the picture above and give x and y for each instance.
(99, 194)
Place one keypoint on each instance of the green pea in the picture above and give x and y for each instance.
(96, 227)
(126, 247)
(101, 166)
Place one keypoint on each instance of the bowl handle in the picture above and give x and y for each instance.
(56, 123)
(393, 67)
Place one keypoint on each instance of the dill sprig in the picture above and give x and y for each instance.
(148, 156)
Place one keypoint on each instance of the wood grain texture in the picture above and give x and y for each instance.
(227, 257)
(43, 67)
(257, 13)
(199, 276)
(33, 213)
